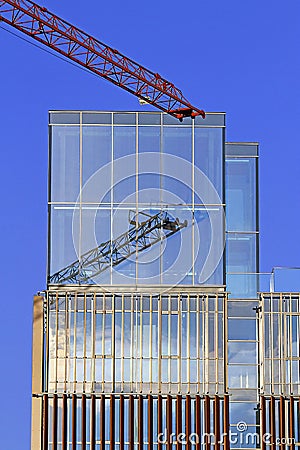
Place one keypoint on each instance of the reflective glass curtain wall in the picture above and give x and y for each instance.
(111, 172)
(242, 234)
(242, 237)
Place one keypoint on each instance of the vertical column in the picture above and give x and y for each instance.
(169, 421)
(64, 429)
(83, 422)
(291, 423)
(37, 345)
(198, 421)
(263, 422)
(298, 415)
(112, 422)
(150, 422)
(272, 423)
(178, 420)
(37, 408)
(93, 422)
(102, 422)
(131, 422)
(226, 423)
(207, 422)
(159, 419)
(141, 425)
(188, 421)
(45, 422)
(54, 423)
(74, 422)
(121, 426)
(282, 421)
(217, 422)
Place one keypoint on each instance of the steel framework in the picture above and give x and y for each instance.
(75, 44)
(111, 253)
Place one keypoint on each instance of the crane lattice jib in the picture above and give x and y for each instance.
(111, 253)
(71, 42)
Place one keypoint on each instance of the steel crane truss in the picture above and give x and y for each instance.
(139, 237)
(71, 42)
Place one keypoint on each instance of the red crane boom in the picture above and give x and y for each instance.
(71, 42)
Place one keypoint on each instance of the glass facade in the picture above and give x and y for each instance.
(241, 193)
(280, 350)
(242, 283)
(157, 330)
(130, 343)
(110, 173)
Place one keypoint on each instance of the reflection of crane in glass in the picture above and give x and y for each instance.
(139, 237)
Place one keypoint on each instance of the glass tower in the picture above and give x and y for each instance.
(153, 332)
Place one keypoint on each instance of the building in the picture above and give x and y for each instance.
(156, 329)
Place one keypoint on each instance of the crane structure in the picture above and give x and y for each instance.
(139, 237)
(87, 51)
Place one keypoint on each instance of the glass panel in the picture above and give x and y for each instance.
(242, 309)
(244, 329)
(149, 139)
(146, 335)
(118, 336)
(247, 285)
(211, 119)
(241, 252)
(108, 334)
(241, 149)
(149, 165)
(99, 334)
(170, 120)
(243, 395)
(127, 118)
(164, 371)
(127, 335)
(79, 334)
(209, 159)
(64, 118)
(208, 245)
(242, 352)
(95, 227)
(149, 119)
(174, 331)
(177, 141)
(62, 251)
(124, 171)
(108, 370)
(174, 371)
(241, 189)
(154, 347)
(177, 248)
(64, 164)
(89, 336)
(124, 247)
(95, 234)
(94, 118)
(149, 261)
(164, 334)
(193, 335)
(242, 376)
(96, 152)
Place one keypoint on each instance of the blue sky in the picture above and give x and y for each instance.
(236, 56)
